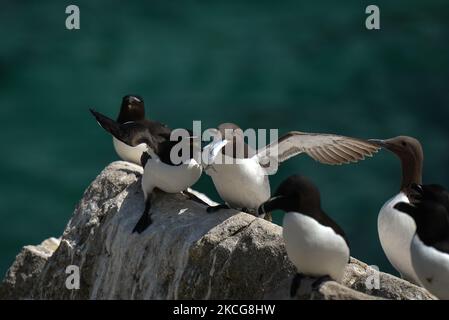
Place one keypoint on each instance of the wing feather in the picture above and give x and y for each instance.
(325, 148)
(339, 158)
(315, 155)
(342, 154)
(355, 154)
(325, 158)
(332, 160)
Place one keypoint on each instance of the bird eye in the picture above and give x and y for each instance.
(404, 143)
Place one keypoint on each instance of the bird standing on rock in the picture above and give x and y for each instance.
(132, 109)
(161, 171)
(396, 229)
(315, 244)
(241, 178)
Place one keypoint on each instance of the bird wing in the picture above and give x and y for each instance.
(134, 133)
(325, 148)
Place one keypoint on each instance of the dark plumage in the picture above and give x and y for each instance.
(430, 210)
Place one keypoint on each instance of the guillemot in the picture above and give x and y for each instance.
(315, 244)
(430, 245)
(244, 184)
(131, 109)
(395, 228)
(161, 171)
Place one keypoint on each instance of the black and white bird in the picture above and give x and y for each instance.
(430, 245)
(395, 228)
(131, 109)
(140, 134)
(170, 166)
(240, 174)
(315, 244)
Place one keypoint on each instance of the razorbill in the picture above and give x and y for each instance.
(131, 109)
(395, 228)
(144, 132)
(315, 243)
(161, 171)
(240, 174)
(430, 245)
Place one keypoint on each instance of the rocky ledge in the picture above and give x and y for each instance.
(185, 254)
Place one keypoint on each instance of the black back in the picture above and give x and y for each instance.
(133, 133)
(299, 194)
(165, 149)
(430, 210)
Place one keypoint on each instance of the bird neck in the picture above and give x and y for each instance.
(411, 172)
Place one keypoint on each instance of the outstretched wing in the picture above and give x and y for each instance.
(325, 148)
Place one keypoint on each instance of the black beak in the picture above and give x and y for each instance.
(270, 205)
(378, 142)
(134, 99)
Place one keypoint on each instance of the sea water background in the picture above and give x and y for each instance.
(295, 65)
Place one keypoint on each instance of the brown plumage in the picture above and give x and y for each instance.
(325, 148)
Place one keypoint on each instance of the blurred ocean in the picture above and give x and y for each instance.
(295, 65)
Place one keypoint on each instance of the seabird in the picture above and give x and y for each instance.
(315, 244)
(160, 169)
(132, 109)
(244, 184)
(430, 245)
(161, 173)
(395, 228)
(140, 134)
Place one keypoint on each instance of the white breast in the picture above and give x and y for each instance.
(396, 230)
(241, 185)
(128, 153)
(171, 179)
(432, 268)
(314, 249)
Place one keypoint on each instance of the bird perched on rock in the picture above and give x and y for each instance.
(395, 228)
(241, 178)
(169, 165)
(315, 244)
(132, 109)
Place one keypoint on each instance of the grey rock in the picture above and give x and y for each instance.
(25, 270)
(185, 254)
(389, 287)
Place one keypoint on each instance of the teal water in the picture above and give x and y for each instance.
(309, 66)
